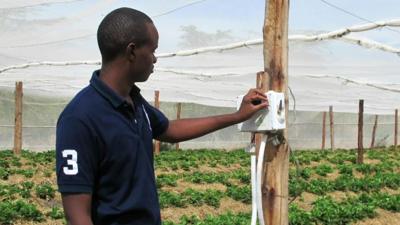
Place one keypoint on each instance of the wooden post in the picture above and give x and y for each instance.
(374, 132)
(360, 150)
(323, 130)
(276, 161)
(396, 115)
(260, 81)
(331, 128)
(18, 118)
(157, 106)
(178, 116)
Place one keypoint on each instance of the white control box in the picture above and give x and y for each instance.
(268, 119)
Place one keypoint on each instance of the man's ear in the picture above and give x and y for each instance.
(131, 51)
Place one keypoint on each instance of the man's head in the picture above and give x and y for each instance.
(129, 34)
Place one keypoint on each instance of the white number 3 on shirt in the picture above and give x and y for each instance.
(72, 159)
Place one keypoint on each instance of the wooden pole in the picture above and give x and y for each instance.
(178, 116)
(374, 132)
(323, 130)
(276, 161)
(360, 151)
(260, 82)
(157, 106)
(396, 115)
(18, 118)
(331, 126)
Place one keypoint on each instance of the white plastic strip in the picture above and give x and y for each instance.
(253, 159)
(260, 164)
(253, 190)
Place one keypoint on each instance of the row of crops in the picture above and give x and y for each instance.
(213, 187)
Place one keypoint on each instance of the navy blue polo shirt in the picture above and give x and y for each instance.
(104, 147)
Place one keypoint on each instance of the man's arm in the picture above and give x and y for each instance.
(185, 129)
(77, 208)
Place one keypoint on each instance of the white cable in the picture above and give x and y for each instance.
(49, 63)
(211, 49)
(347, 80)
(337, 34)
(363, 42)
(253, 186)
(259, 178)
(206, 75)
(345, 31)
(366, 43)
(324, 36)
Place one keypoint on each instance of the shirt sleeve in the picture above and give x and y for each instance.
(76, 156)
(158, 121)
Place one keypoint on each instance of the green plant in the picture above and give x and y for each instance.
(56, 213)
(323, 169)
(45, 191)
(242, 194)
(167, 180)
(319, 186)
(28, 211)
(4, 173)
(28, 173)
(11, 211)
(299, 216)
(345, 169)
(168, 199)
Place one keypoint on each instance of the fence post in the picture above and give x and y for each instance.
(331, 127)
(323, 130)
(360, 151)
(374, 132)
(396, 114)
(18, 118)
(157, 106)
(178, 116)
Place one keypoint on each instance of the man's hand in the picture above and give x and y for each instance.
(253, 101)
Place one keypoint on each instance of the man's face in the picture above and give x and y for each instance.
(144, 56)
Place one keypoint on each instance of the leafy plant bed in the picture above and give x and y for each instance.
(213, 187)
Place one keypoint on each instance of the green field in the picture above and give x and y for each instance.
(213, 187)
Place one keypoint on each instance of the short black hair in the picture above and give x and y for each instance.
(118, 29)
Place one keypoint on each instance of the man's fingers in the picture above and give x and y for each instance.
(262, 105)
(259, 98)
(258, 91)
(255, 91)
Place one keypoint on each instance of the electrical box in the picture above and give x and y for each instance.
(268, 119)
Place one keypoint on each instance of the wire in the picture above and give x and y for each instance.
(41, 4)
(178, 8)
(90, 35)
(353, 14)
(50, 42)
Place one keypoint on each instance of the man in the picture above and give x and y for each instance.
(105, 169)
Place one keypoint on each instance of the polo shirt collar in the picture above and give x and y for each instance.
(109, 94)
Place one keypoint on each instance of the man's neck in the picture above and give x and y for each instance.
(114, 77)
